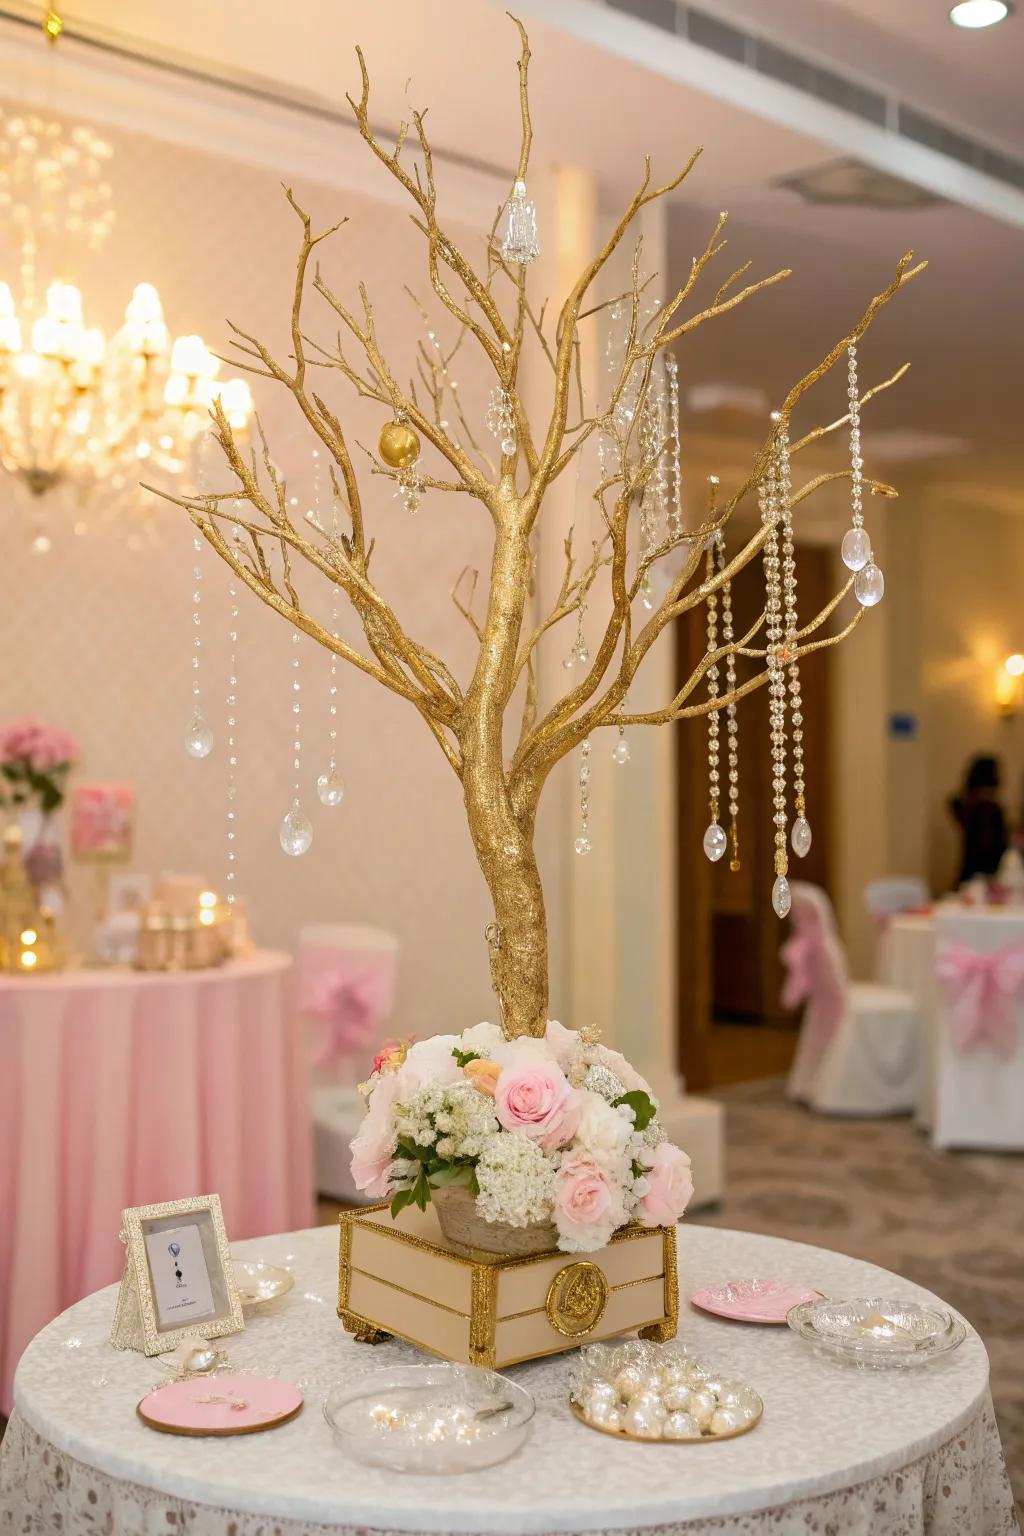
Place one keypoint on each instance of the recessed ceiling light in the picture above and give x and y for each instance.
(979, 13)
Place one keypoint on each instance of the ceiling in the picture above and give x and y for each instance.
(601, 108)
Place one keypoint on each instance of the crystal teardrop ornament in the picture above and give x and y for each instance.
(869, 586)
(620, 751)
(296, 830)
(800, 837)
(715, 842)
(856, 548)
(582, 844)
(782, 896)
(199, 741)
(329, 788)
(520, 244)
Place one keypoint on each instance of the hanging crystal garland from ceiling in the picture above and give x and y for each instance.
(79, 412)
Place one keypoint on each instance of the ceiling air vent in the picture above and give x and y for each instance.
(855, 184)
(825, 85)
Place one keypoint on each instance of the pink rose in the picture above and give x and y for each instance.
(536, 1097)
(587, 1207)
(373, 1147)
(669, 1187)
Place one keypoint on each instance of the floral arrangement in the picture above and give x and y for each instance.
(559, 1129)
(35, 760)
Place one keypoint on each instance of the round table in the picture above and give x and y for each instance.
(121, 1088)
(836, 1451)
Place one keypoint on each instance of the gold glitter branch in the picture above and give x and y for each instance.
(249, 522)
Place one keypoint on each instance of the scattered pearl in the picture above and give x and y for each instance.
(680, 1426)
(643, 1421)
(629, 1382)
(676, 1398)
(725, 1420)
(702, 1405)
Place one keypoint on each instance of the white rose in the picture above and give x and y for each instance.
(603, 1131)
(481, 1037)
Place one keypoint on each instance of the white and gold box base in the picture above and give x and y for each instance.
(398, 1277)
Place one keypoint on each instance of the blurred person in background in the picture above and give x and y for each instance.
(981, 819)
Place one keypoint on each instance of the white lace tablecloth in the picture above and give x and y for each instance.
(837, 1451)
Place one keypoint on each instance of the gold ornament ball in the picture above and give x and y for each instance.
(398, 445)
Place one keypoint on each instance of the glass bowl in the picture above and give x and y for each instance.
(877, 1332)
(435, 1418)
(260, 1283)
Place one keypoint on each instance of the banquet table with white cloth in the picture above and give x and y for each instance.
(122, 1088)
(838, 1450)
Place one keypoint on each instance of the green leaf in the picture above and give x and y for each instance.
(641, 1104)
(463, 1058)
(450, 1173)
(413, 1152)
(400, 1200)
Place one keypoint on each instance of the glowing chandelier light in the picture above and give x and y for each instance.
(78, 411)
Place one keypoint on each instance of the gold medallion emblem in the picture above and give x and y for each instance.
(576, 1299)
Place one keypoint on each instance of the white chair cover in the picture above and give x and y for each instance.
(979, 1033)
(859, 1046)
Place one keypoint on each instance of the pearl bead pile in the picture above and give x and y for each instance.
(650, 1391)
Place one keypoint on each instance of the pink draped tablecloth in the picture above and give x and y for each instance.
(121, 1088)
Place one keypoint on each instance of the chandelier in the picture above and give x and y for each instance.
(78, 411)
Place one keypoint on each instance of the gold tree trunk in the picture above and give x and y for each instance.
(501, 825)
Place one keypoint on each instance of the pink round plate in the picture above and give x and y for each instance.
(753, 1301)
(220, 1405)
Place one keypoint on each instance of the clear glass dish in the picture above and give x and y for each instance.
(877, 1332)
(435, 1418)
(260, 1283)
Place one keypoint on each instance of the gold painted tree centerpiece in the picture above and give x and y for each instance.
(415, 1155)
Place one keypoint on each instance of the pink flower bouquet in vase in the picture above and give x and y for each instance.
(522, 1146)
(35, 760)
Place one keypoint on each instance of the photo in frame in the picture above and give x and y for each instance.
(178, 1278)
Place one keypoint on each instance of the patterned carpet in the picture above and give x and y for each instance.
(951, 1221)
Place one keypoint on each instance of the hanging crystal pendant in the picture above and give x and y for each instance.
(620, 752)
(715, 842)
(199, 741)
(869, 587)
(856, 548)
(330, 789)
(800, 837)
(296, 830)
(782, 896)
(520, 243)
(582, 844)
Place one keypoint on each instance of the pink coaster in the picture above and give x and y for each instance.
(220, 1405)
(753, 1301)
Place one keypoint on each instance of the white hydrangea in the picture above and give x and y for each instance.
(465, 1122)
(516, 1180)
(414, 1118)
(599, 1079)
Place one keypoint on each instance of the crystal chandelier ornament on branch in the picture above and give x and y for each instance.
(499, 736)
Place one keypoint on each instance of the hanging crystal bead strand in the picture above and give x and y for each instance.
(232, 718)
(781, 895)
(800, 833)
(579, 652)
(329, 786)
(732, 727)
(621, 753)
(501, 421)
(715, 839)
(520, 244)
(583, 841)
(675, 482)
(199, 738)
(869, 584)
(296, 829)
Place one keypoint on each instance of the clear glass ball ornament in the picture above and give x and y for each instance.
(856, 548)
(621, 752)
(508, 445)
(800, 837)
(329, 788)
(715, 842)
(199, 741)
(782, 896)
(582, 844)
(869, 587)
(296, 830)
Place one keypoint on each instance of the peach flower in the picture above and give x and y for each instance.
(535, 1097)
(669, 1187)
(483, 1075)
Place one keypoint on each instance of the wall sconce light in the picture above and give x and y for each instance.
(1010, 686)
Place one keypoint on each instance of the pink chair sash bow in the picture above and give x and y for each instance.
(813, 975)
(350, 994)
(980, 990)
